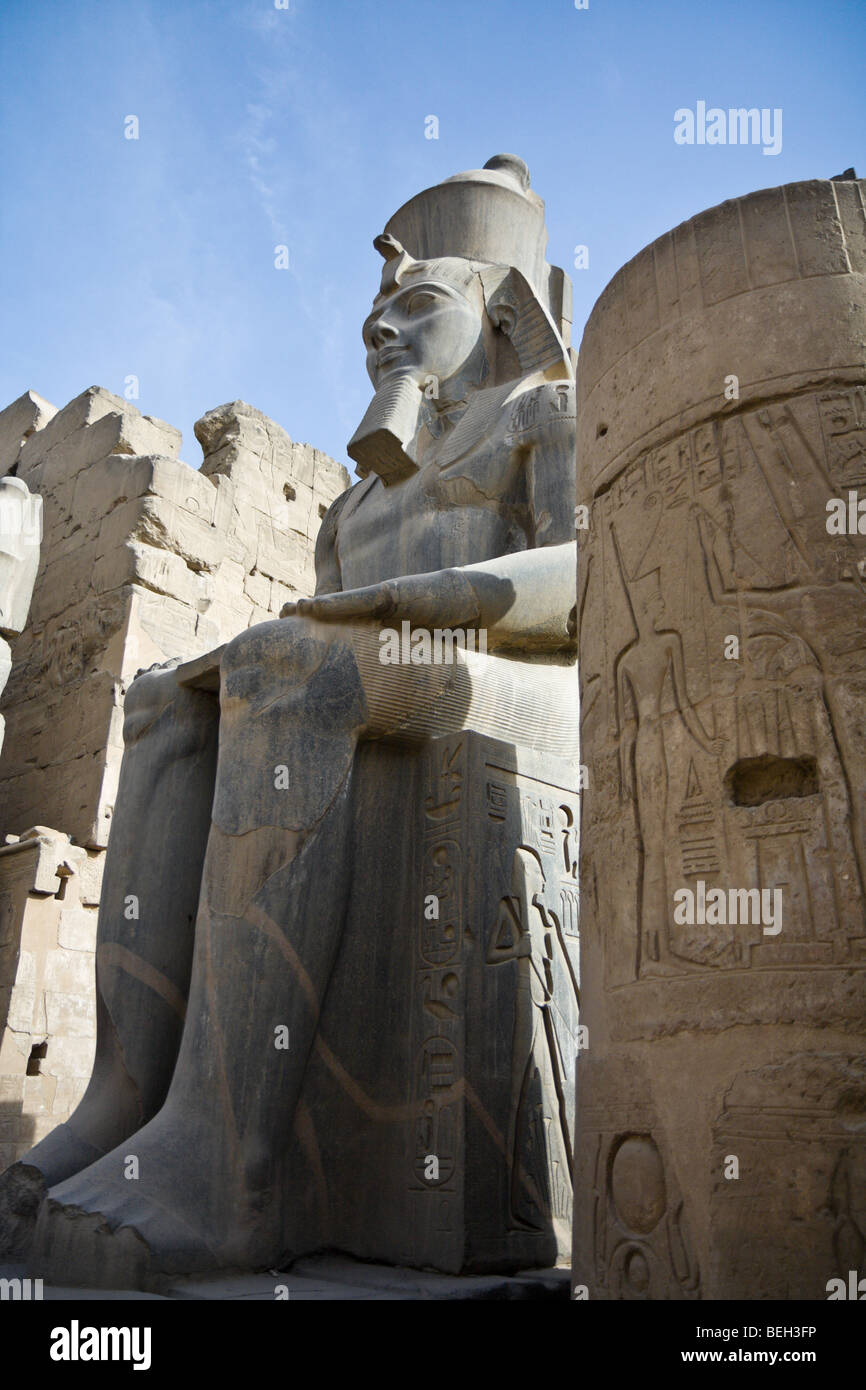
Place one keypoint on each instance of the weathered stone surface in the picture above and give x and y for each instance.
(47, 1005)
(475, 534)
(17, 422)
(88, 429)
(722, 638)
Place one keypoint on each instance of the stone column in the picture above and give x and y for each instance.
(722, 614)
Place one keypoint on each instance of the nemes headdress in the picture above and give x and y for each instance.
(485, 223)
(489, 215)
(492, 217)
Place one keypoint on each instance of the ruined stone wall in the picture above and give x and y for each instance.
(143, 559)
(49, 892)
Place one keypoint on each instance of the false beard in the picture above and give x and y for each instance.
(381, 442)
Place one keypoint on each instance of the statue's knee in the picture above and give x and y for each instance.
(276, 655)
(147, 698)
(251, 646)
(249, 659)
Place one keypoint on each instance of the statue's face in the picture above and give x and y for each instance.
(654, 607)
(425, 328)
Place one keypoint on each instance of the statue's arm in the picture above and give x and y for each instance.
(551, 466)
(543, 578)
(526, 600)
(329, 579)
(529, 599)
(517, 599)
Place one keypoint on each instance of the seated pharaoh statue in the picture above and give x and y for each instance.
(336, 965)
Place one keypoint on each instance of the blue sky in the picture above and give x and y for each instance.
(305, 127)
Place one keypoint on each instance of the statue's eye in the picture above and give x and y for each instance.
(422, 300)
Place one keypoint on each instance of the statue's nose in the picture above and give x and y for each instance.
(382, 332)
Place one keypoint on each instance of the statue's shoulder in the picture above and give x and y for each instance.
(346, 502)
(328, 579)
(537, 407)
(514, 412)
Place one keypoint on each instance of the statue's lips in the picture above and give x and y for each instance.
(389, 354)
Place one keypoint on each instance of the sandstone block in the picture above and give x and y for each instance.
(39, 1094)
(238, 433)
(11, 1089)
(160, 628)
(93, 430)
(77, 930)
(184, 487)
(31, 412)
(23, 1000)
(121, 477)
(69, 971)
(258, 588)
(14, 1052)
(69, 1013)
(90, 870)
(70, 1060)
(151, 521)
(62, 583)
(148, 566)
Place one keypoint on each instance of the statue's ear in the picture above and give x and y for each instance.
(514, 308)
(503, 312)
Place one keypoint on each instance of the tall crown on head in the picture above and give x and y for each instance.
(490, 215)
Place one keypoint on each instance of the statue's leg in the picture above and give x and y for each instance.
(144, 939)
(200, 1183)
(200, 1186)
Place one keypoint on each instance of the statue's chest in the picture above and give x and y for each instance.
(451, 512)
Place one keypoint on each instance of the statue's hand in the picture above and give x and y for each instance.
(376, 601)
(441, 599)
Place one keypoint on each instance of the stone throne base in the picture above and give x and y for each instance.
(436, 1119)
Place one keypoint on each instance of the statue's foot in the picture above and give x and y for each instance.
(72, 1246)
(172, 1215)
(23, 1186)
(22, 1189)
